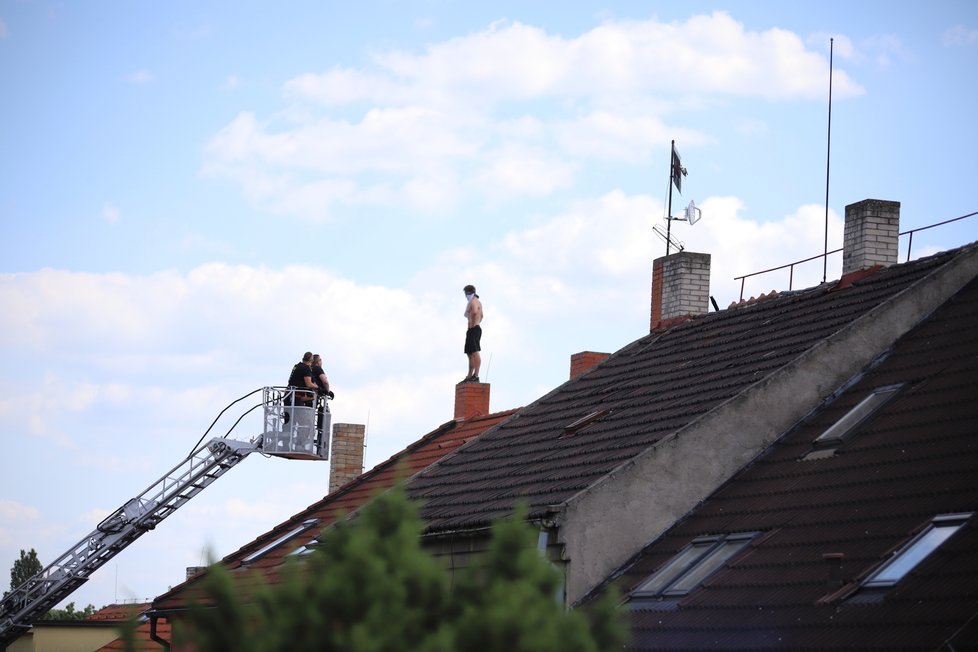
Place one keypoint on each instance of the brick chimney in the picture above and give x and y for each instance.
(346, 458)
(680, 287)
(584, 361)
(471, 399)
(871, 234)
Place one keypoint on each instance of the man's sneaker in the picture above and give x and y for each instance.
(473, 379)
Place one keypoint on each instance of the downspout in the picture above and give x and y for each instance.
(152, 632)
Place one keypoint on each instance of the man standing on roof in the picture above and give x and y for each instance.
(473, 336)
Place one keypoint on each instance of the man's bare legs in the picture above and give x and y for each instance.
(475, 362)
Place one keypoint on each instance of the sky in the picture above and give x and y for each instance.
(194, 194)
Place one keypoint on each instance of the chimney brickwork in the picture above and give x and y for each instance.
(584, 361)
(471, 399)
(346, 458)
(680, 287)
(871, 235)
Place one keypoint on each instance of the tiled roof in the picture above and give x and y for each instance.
(826, 523)
(647, 390)
(142, 641)
(345, 500)
(118, 612)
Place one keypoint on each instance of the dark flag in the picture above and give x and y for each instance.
(677, 170)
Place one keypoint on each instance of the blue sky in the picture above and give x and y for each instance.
(193, 194)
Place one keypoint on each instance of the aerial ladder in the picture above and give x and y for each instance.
(292, 429)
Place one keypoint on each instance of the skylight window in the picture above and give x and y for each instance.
(305, 549)
(583, 422)
(304, 527)
(906, 559)
(693, 565)
(844, 427)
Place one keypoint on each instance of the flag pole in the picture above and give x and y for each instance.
(672, 173)
(828, 158)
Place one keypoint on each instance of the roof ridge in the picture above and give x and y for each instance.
(760, 297)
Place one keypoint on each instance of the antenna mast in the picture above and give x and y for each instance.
(676, 174)
(828, 156)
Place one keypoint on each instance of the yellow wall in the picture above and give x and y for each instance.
(65, 638)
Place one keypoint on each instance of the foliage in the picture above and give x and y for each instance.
(24, 568)
(516, 606)
(27, 567)
(370, 587)
(69, 613)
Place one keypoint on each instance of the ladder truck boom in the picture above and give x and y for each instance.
(290, 430)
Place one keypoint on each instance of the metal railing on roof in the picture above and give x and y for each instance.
(791, 266)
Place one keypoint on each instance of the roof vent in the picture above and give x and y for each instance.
(573, 428)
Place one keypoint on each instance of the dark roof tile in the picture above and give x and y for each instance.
(913, 460)
(653, 387)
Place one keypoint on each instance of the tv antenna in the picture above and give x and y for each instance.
(666, 237)
(691, 215)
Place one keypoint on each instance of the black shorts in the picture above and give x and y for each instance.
(473, 339)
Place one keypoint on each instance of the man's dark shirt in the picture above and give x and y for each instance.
(296, 379)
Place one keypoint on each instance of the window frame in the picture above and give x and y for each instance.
(306, 525)
(840, 431)
(916, 550)
(688, 569)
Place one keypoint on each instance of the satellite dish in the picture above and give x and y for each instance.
(693, 213)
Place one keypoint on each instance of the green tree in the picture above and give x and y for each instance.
(515, 607)
(24, 568)
(27, 567)
(371, 587)
(69, 613)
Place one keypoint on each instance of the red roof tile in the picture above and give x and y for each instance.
(118, 612)
(347, 499)
(143, 642)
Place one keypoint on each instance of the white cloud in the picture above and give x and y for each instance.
(960, 35)
(110, 214)
(620, 137)
(15, 518)
(752, 127)
(141, 76)
(519, 170)
(13, 512)
(740, 245)
(512, 61)
(434, 191)
(511, 109)
(230, 83)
